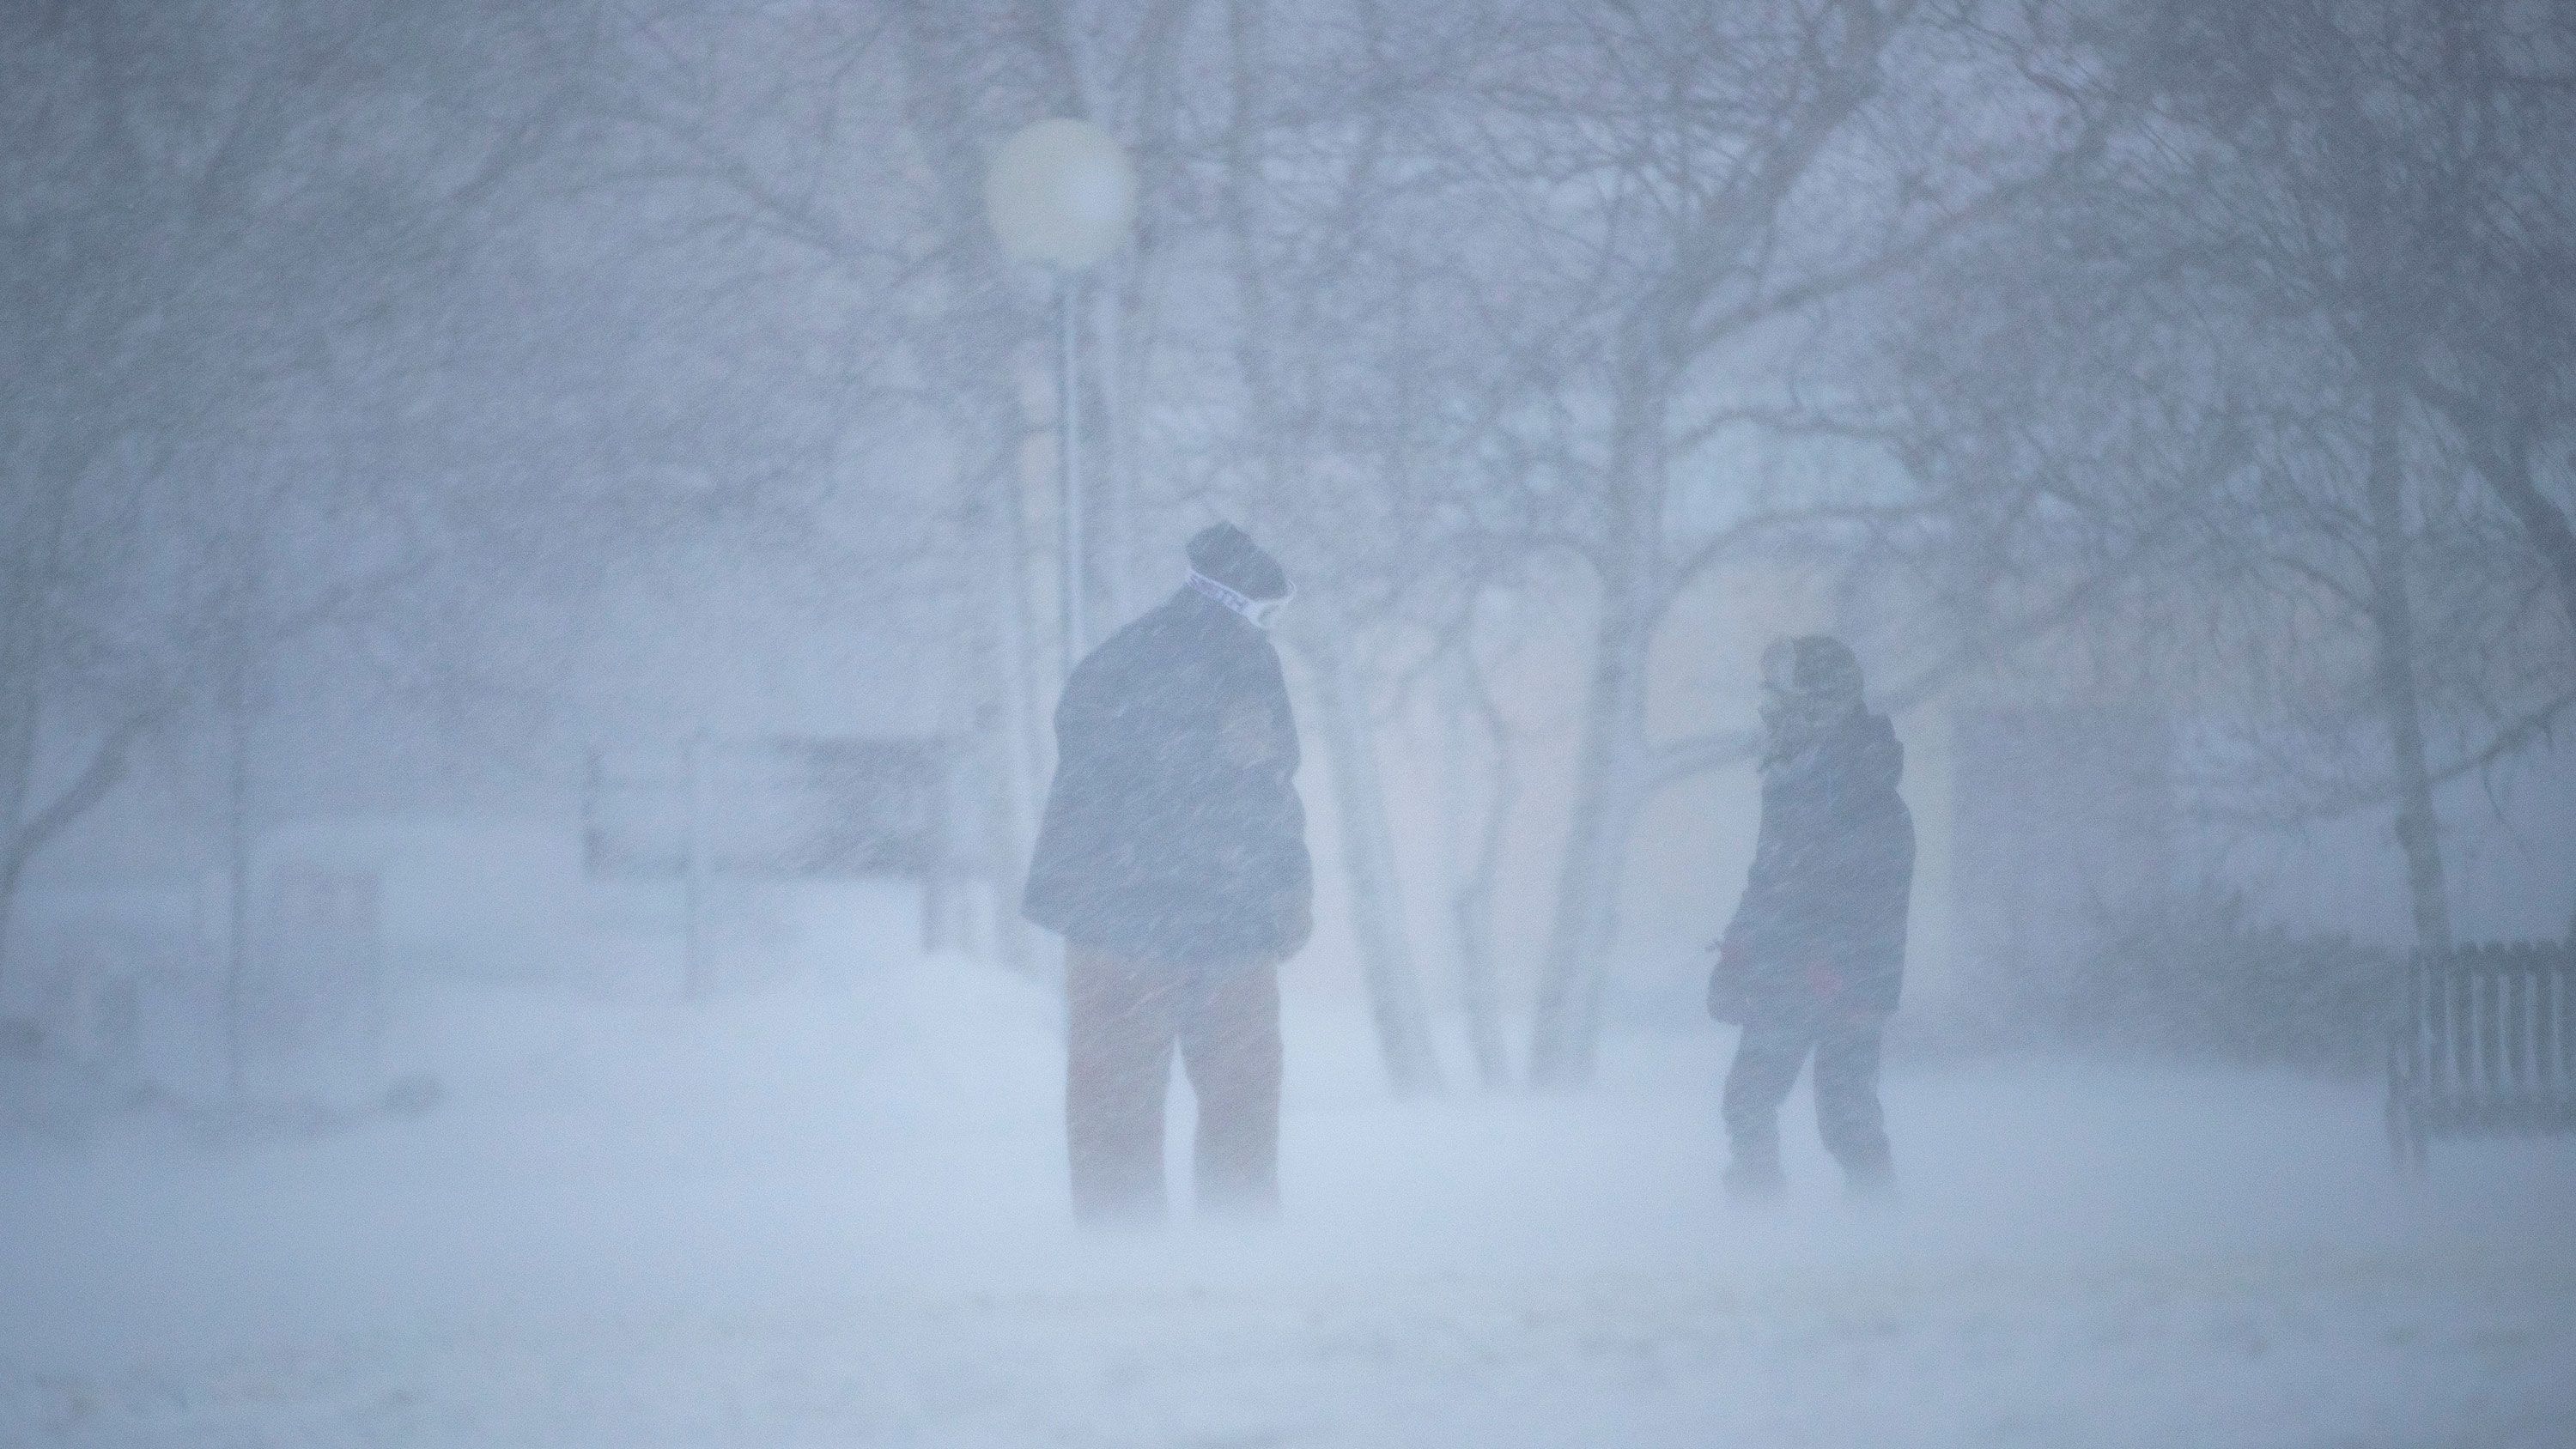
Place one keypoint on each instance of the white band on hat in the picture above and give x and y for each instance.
(1258, 612)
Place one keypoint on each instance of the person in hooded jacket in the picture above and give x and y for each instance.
(1814, 959)
(1172, 859)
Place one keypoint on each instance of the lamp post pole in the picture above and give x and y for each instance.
(1068, 412)
(1062, 193)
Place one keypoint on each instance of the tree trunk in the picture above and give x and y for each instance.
(31, 524)
(1009, 814)
(1368, 862)
(1610, 769)
(979, 369)
(2400, 702)
(1011, 687)
(1480, 994)
(1275, 437)
(1470, 871)
(237, 841)
(17, 768)
(8, 916)
(1573, 972)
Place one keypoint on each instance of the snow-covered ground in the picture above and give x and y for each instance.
(832, 1214)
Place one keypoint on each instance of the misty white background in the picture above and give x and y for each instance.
(399, 405)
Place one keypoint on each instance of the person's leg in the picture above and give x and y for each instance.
(1230, 1047)
(1767, 1058)
(1848, 1115)
(1118, 1062)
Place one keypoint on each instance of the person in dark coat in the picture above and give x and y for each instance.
(1172, 859)
(1814, 959)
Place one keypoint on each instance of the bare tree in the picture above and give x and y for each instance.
(1307, 204)
(2199, 363)
(198, 213)
(1691, 189)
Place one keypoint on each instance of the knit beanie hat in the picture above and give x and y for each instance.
(1228, 555)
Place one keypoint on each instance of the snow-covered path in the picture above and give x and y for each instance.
(833, 1217)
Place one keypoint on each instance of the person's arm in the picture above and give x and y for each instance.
(1286, 866)
(1064, 881)
(1863, 883)
(1766, 888)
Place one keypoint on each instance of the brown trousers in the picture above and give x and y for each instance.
(1122, 1020)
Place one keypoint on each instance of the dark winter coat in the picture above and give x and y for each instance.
(1173, 831)
(1822, 922)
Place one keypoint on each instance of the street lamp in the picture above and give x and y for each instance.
(1062, 193)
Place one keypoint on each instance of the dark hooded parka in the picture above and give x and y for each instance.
(1822, 920)
(1173, 832)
